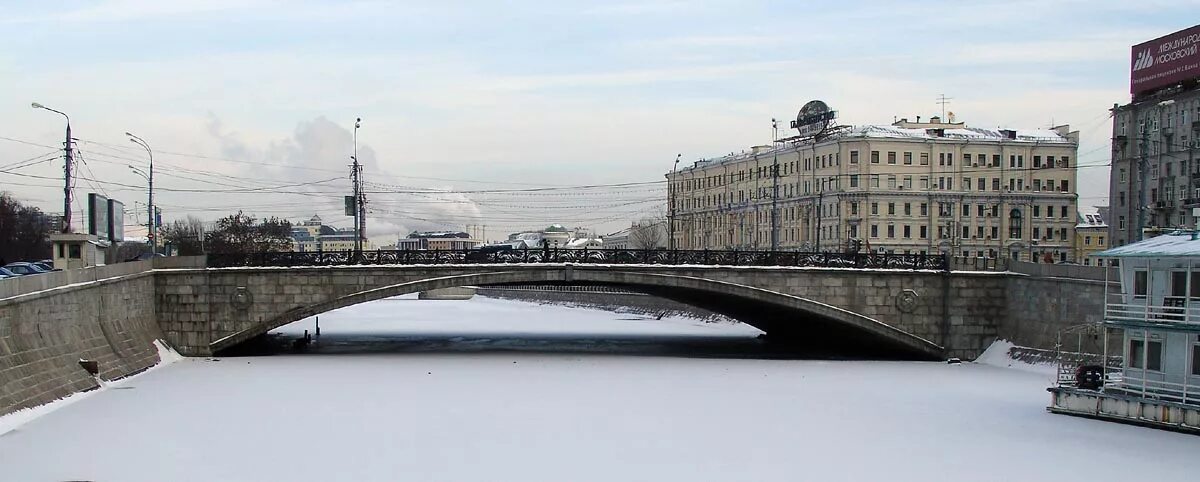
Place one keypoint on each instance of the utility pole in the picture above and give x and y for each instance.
(359, 198)
(775, 185)
(1142, 180)
(70, 159)
(671, 189)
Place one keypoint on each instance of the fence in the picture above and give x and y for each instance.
(584, 256)
(20, 285)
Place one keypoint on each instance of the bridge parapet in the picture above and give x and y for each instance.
(661, 257)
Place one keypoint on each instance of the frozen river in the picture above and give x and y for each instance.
(499, 390)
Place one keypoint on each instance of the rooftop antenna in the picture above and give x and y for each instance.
(943, 100)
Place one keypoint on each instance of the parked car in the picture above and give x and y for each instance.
(4, 273)
(44, 265)
(23, 268)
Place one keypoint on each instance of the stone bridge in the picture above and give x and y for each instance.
(895, 313)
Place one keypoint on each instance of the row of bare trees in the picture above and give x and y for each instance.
(24, 231)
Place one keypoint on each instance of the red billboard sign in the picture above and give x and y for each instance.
(1165, 60)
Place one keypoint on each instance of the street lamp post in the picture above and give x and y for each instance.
(151, 226)
(671, 187)
(66, 225)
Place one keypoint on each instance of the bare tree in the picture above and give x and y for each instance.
(186, 235)
(649, 233)
(24, 231)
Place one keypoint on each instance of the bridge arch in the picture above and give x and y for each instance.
(800, 320)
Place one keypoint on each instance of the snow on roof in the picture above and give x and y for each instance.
(895, 132)
(1176, 244)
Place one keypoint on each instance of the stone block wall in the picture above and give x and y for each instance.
(1043, 306)
(43, 336)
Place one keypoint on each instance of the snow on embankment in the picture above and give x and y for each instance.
(1000, 354)
(45, 335)
(14, 420)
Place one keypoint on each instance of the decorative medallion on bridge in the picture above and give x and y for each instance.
(241, 298)
(907, 301)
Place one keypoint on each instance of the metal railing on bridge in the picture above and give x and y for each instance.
(584, 256)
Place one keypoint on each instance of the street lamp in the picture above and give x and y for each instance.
(66, 227)
(671, 188)
(151, 227)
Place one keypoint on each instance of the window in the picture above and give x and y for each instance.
(891, 182)
(874, 208)
(941, 158)
(924, 182)
(924, 158)
(854, 209)
(966, 210)
(995, 160)
(1120, 222)
(891, 157)
(949, 158)
(966, 159)
(981, 186)
(924, 231)
(1154, 355)
(853, 157)
(892, 209)
(1196, 358)
(980, 214)
(874, 230)
(995, 184)
(907, 210)
(908, 158)
(907, 231)
(966, 232)
(874, 180)
(907, 182)
(75, 251)
(1037, 211)
(966, 184)
(1135, 353)
(1087, 240)
(1123, 178)
(1100, 242)
(1062, 211)
(1139, 284)
(874, 157)
(924, 209)
(854, 180)
(891, 231)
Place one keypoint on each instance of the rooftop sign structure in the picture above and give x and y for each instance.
(1164, 61)
(814, 119)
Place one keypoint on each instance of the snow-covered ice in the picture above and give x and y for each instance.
(558, 416)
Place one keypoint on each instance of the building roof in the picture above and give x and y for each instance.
(1183, 244)
(1090, 220)
(951, 132)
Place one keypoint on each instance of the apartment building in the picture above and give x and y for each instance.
(1154, 182)
(908, 187)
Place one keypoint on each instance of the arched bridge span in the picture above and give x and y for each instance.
(899, 313)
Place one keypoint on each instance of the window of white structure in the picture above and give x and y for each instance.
(1196, 355)
(1145, 355)
(1140, 283)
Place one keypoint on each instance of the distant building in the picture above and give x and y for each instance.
(437, 240)
(619, 239)
(908, 187)
(314, 235)
(1091, 236)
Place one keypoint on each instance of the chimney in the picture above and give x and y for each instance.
(918, 119)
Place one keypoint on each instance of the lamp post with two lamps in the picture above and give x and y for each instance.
(151, 225)
(66, 225)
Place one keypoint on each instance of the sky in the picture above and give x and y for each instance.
(251, 104)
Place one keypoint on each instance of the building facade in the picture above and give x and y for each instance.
(909, 187)
(438, 241)
(1154, 182)
(314, 235)
(1091, 237)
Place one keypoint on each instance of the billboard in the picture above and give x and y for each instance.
(1166, 60)
(98, 215)
(813, 119)
(116, 220)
